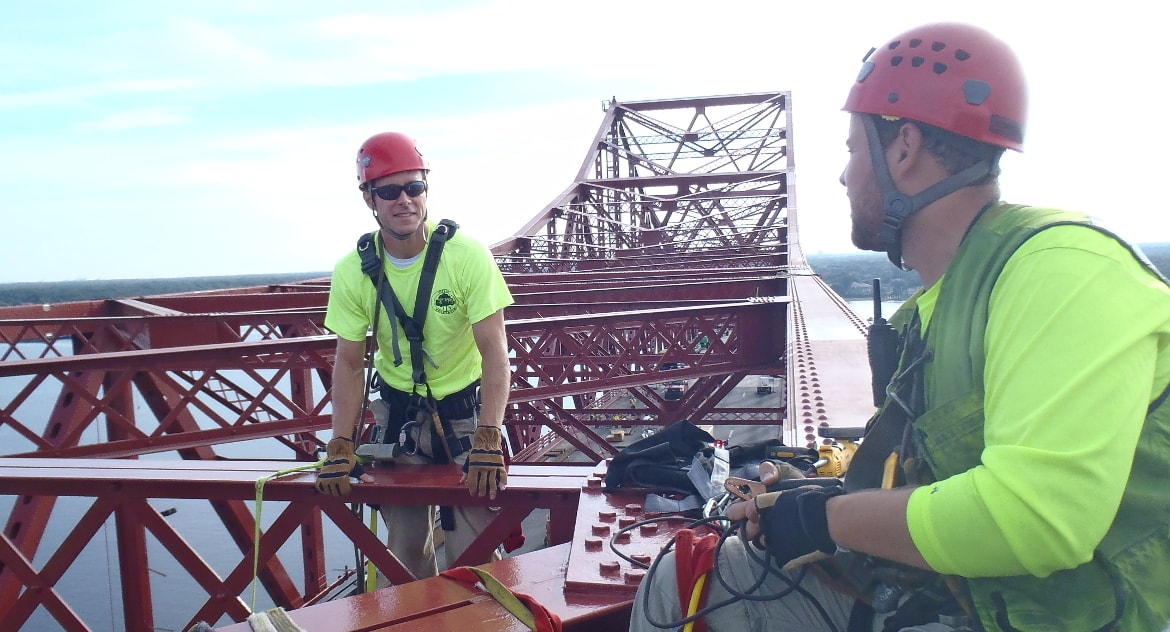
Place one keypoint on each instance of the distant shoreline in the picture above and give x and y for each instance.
(849, 274)
(38, 293)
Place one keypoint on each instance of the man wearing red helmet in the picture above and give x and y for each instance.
(441, 362)
(1014, 478)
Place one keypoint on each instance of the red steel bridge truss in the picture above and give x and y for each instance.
(672, 257)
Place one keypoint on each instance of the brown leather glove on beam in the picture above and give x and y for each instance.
(340, 464)
(484, 468)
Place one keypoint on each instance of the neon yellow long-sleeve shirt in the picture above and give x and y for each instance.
(1078, 344)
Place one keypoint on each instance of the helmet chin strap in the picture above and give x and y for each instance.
(896, 205)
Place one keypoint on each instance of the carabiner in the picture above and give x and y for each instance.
(404, 438)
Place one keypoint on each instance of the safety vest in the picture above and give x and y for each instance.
(1127, 584)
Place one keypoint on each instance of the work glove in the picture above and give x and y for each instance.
(340, 464)
(793, 523)
(484, 468)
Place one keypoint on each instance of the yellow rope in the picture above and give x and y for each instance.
(256, 533)
(371, 570)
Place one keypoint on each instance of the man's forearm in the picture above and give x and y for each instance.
(494, 391)
(496, 370)
(874, 522)
(347, 399)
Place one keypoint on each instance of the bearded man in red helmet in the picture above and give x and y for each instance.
(1014, 478)
(441, 362)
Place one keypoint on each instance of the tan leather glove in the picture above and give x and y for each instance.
(484, 468)
(340, 464)
(793, 524)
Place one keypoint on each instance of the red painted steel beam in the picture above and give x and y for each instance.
(520, 282)
(678, 217)
(828, 377)
(588, 583)
(442, 604)
(121, 488)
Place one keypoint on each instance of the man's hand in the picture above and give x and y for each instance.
(484, 469)
(340, 464)
(746, 512)
(791, 524)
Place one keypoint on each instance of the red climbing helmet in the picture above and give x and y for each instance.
(954, 76)
(387, 153)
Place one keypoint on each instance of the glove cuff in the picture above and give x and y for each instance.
(794, 522)
(339, 446)
(484, 440)
(814, 519)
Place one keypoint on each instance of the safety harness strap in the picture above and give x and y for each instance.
(412, 327)
(533, 614)
(694, 560)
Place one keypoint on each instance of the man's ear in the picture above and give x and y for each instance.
(369, 198)
(906, 149)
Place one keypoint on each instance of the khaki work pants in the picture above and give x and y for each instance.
(410, 528)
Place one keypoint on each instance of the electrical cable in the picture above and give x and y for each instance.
(766, 563)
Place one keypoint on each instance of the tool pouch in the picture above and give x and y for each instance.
(384, 442)
(378, 452)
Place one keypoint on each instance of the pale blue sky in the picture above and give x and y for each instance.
(165, 139)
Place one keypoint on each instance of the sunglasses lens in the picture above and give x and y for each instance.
(392, 191)
(389, 191)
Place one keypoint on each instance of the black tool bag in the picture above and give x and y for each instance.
(661, 461)
(744, 460)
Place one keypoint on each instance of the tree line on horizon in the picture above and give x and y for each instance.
(850, 275)
(89, 290)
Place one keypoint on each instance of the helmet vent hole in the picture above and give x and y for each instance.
(894, 44)
(892, 97)
(962, 55)
(915, 43)
(917, 61)
(976, 92)
(939, 68)
(896, 60)
(937, 46)
(866, 70)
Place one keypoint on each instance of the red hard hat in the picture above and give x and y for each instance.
(387, 153)
(954, 76)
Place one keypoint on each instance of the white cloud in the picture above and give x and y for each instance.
(231, 128)
(134, 119)
(74, 95)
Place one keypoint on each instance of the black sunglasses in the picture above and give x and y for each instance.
(392, 191)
